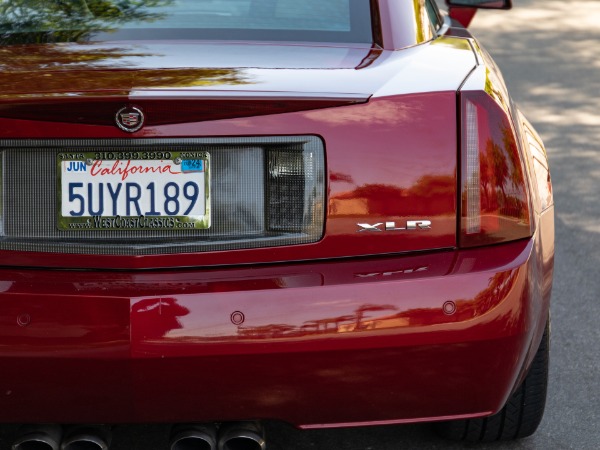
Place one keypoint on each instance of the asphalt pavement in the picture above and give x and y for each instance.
(549, 51)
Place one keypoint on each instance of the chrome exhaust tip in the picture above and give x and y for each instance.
(38, 437)
(91, 437)
(194, 437)
(242, 436)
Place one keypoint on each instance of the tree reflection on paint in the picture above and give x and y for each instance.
(429, 194)
(502, 181)
(359, 320)
(154, 318)
(499, 288)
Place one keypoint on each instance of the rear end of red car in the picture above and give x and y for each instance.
(335, 224)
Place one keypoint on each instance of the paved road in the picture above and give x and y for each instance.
(550, 53)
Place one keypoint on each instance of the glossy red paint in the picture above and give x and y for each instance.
(151, 346)
(402, 185)
(101, 110)
(358, 328)
(464, 16)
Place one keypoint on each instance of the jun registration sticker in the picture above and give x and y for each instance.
(124, 190)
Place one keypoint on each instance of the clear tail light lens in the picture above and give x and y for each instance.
(291, 180)
(495, 205)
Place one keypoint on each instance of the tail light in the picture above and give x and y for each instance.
(290, 183)
(495, 205)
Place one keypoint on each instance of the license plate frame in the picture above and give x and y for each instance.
(189, 170)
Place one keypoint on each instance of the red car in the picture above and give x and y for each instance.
(221, 212)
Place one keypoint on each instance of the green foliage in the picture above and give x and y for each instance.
(40, 21)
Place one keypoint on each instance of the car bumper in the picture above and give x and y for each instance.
(385, 340)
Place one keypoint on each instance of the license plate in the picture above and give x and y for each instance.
(130, 190)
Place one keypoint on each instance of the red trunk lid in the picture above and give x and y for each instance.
(390, 180)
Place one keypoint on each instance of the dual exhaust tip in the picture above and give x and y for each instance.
(229, 436)
(51, 437)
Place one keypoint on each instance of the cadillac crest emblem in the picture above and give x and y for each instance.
(130, 119)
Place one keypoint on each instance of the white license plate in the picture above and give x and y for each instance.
(130, 190)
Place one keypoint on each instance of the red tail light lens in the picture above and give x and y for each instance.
(494, 195)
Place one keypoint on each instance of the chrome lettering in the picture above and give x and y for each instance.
(369, 227)
(419, 225)
(411, 225)
(391, 226)
(391, 273)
